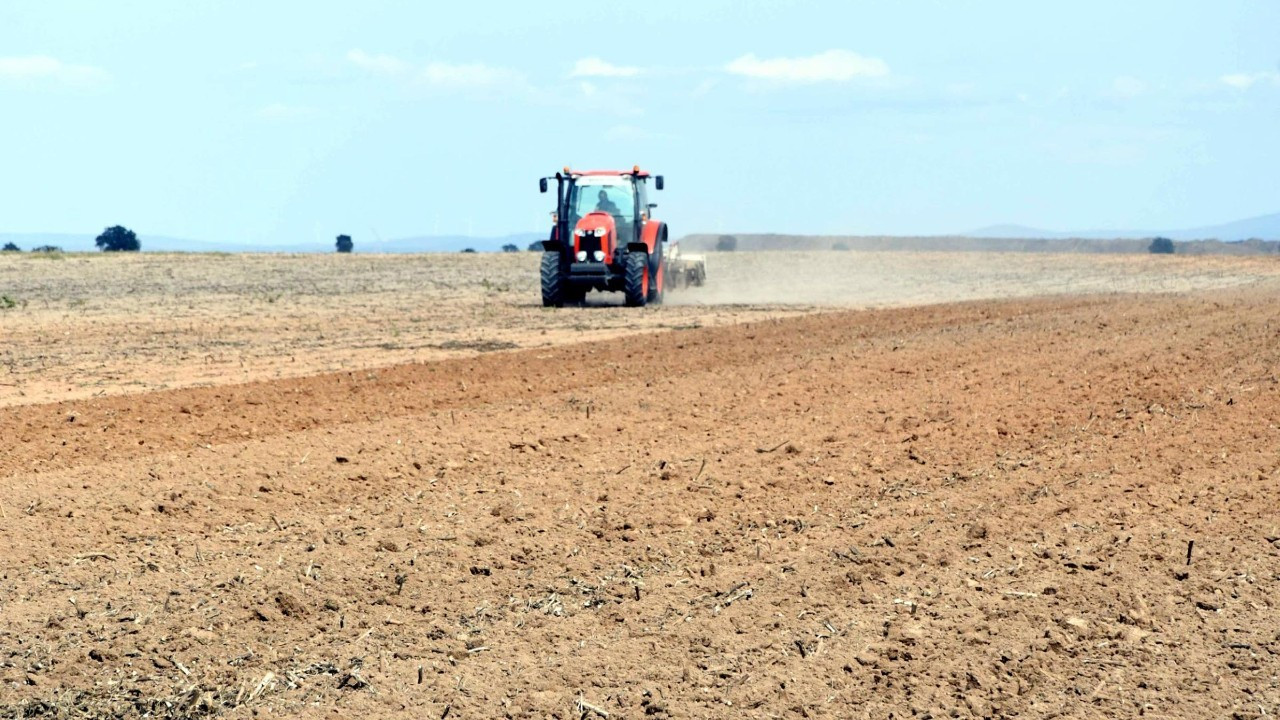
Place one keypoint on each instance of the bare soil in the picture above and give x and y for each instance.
(1031, 507)
(82, 325)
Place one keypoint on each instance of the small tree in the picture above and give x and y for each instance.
(535, 246)
(510, 248)
(345, 244)
(118, 239)
(10, 247)
(1161, 246)
(727, 243)
(469, 250)
(840, 246)
(46, 249)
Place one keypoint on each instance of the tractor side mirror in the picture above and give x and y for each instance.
(657, 182)
(542, 184)
(653, 205)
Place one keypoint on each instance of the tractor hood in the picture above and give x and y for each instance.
(595, 231)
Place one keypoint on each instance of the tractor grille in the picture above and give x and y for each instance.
(589, 243)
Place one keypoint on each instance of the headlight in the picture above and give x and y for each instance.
(579, 232)
(599, 232)
(582, 256)
(598, 255)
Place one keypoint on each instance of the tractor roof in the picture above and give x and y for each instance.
(603, 179)
(635, 171)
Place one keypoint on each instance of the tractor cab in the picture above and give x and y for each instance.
(618, 197)
(604, 237)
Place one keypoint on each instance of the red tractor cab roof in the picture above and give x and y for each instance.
(635, 172)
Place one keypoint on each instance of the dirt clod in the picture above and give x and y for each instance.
(289, 605)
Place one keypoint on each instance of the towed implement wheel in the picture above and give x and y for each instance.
(554, 290)
(635, 280)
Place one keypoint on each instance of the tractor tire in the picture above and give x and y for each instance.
(553, 280)
(635, 279)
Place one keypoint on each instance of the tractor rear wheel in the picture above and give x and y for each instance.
(635, 279)
(657, 275)
(553, 280)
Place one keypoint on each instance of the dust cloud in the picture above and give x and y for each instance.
(886, 279)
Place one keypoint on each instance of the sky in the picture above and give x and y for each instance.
(286, 122)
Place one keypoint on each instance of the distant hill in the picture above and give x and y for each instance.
(1252, 236)
(1014, 231)
(1263, 227)
(448, 243)
(752, 241)
(72, 242)
(766, 242)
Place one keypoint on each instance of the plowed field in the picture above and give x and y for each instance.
(1023, 506)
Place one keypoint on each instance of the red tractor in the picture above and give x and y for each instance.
(604, 238)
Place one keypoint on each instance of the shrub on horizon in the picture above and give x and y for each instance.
(118, 238)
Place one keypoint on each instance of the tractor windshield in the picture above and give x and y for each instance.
(610, 194)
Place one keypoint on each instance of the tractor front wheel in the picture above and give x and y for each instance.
(635, 279)
(553, 280)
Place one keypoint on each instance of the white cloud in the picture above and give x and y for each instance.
(37, 68)
(385, 64)
(1244, 81)
(595, 67)
(1128, 86)
(830, 66)
(618, 99)
(469, 75)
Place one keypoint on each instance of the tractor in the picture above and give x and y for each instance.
(604, 237)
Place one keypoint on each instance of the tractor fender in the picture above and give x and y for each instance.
(654, 232)
(553, 244)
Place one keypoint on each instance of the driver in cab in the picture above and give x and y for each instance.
(605, 205)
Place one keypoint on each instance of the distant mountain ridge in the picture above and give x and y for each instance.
(74, 242)
(944, 243)
(1262, 227)
(995, 237)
